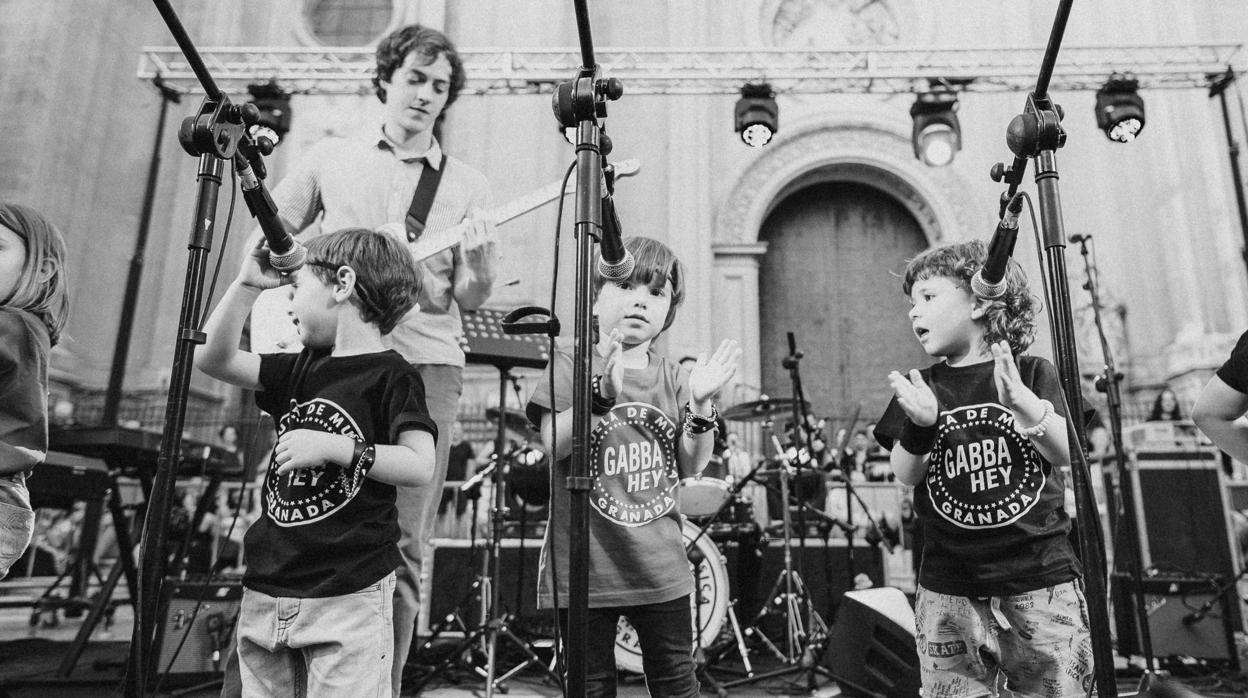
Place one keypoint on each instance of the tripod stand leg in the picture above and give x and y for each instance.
(736, 631)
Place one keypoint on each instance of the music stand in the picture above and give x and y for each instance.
(485, 340)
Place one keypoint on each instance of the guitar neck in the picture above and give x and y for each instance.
(432, 242)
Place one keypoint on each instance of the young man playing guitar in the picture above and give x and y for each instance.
(375, 182)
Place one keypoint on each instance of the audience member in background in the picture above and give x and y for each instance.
(1165, 407)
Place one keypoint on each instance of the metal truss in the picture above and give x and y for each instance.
(720, 71)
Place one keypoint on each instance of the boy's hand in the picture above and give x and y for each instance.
(1016, 396)
(613, 372)
(915, 397)
(258, 273)
(478, 243)
(711, 373)
(307, 448)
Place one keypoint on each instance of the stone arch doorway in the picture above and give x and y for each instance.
(830, 276)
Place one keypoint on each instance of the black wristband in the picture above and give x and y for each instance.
(916, 439)
(695, 424)
(362, 458)
(598, 403)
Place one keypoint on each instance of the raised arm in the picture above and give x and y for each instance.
(220, 356)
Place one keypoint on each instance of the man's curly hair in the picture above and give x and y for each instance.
(387, 282)
(428, 44)
(1011, 318)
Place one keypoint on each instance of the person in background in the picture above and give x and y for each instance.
(34, 305)
(1166, 407)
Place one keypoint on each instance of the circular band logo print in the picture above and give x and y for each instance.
(306, 495)
(632, 460)
(983, 473)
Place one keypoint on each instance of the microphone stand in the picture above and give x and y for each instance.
(214, 135)
(1219, 83)
(580, 102)
(1037, 133)
(1108, 382)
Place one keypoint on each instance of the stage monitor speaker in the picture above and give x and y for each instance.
(871, 646)
(1183, 512)
(448, 585)
(208, 630)
(1176, 626)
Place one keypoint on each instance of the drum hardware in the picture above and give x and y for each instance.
(760, 410)
(493, 624)
(805, 630)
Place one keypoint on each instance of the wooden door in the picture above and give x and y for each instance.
(831, 275)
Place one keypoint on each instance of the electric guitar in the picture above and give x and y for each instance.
(273, 327)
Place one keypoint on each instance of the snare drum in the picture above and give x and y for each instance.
(710, 594)
(700, 497)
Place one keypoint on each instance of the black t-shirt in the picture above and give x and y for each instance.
(317, 536)
(1235, 371)
(990, 505)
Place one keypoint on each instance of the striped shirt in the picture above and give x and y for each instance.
(366, 182)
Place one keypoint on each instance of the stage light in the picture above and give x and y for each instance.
(756, 116)
(936, 135)
(274, 105)
(1120, 109)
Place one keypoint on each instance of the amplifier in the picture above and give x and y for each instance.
(206, 633)
(1177, 625)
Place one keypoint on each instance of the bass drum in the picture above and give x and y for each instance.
(710, 594)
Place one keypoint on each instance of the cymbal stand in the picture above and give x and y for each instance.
(494, 623)
(791, 593)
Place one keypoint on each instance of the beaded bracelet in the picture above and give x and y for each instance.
(599, 404)
(1039, 428)
(697, 424)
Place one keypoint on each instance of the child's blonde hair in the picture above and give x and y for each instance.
(656, 265)
(42, 289)
(387, 283)
(1010, 318)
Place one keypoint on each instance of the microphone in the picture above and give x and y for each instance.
(615, 262)
(989, 282)
(1077, 238)
(285, 253)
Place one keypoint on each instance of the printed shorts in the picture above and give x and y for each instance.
(1031, 645)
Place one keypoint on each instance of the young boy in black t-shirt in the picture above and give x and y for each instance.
(982, 438)
(317, 607)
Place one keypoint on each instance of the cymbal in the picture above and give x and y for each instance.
(514, 420)
(760, 410)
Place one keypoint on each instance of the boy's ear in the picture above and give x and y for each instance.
(344, 283)
(46, 271)
(980, 308)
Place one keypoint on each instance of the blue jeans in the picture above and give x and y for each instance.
(418, 509)
(17, 520)
(333, 646)
(665, 633)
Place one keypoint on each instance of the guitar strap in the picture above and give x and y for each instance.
(422, 200)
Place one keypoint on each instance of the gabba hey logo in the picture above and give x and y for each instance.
(303, 496)
(983, 473)
(632, 460)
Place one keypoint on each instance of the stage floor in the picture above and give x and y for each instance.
(30, 655)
